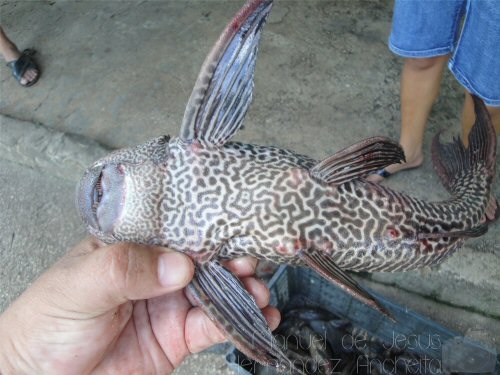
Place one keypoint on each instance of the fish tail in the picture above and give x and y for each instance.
(468, 173)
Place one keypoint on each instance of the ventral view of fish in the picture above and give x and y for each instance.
(213, 199)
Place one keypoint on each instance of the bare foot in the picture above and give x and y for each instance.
(411, 163)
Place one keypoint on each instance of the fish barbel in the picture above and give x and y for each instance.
(213, 199)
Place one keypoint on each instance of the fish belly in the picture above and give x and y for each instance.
(262, 201)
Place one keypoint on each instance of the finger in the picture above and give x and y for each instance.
(86, 246)
(258, 290)
(108, 276)
(200, 331)
(273, 316)
(242, 267)
(167, 314)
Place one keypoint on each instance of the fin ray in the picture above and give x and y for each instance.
(358, 160)
(234, 311)
(452, 159)
(322, 264)
(468, 173)
(224, 88)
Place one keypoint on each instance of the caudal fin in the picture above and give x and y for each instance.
(468, 173)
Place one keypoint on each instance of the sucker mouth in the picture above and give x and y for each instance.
(97, 195)
(87, 196)
(100, 196)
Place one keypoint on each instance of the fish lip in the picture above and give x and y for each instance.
(85, 196)
(101, 197)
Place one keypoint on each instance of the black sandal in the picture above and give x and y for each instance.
(383, 172)
(22, 64)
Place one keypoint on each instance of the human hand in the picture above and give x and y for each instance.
(113, 309)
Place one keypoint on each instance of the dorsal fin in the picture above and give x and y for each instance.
(358, 160)
(223, 90)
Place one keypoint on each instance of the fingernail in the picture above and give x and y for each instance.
(174, 270)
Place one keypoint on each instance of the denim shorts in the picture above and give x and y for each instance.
(428, 28)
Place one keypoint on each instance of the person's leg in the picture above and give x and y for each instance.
(424, 33)
(420, 83)
(11, 53)
(475, 65)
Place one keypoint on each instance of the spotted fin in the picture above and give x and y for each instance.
(454, 163)
(468, 173)
(322, 264)
(477, 231)
(223, 90)
(234, 311)
(358, 160)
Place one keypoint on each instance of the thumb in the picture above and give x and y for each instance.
(99, 280)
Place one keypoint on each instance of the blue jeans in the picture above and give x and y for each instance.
(428, 28)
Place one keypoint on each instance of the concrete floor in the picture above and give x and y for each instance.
(115, 73)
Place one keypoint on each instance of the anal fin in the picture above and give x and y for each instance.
(358, 160)
(322, 264)
(234, 311)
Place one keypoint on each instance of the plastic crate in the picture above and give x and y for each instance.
(293, 287)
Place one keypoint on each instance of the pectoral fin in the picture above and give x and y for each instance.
(223, 91)
(358, 160)
(224, 299)
(322, 264)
